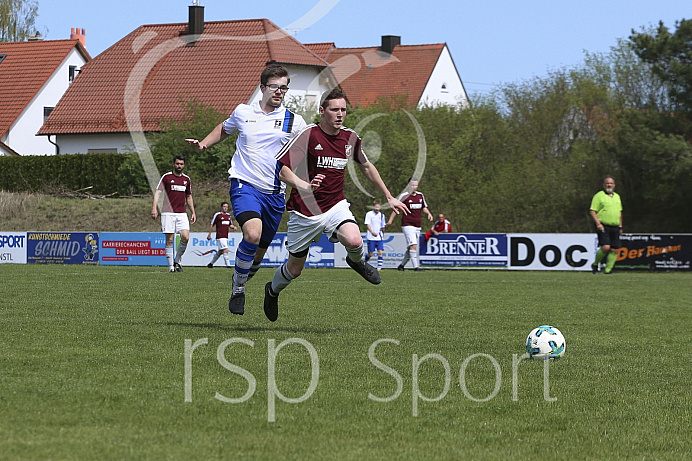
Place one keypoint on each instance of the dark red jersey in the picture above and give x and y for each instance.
(415, 203)
(442, 226)
(176, 189)
(314, 152)
(222, 221)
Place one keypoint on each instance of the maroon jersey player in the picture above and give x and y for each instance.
(322, 152)
(223, 222)
(411, 223)
(177, 192)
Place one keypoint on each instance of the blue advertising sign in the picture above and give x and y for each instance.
(472, 250)
(62, 247)
(321, 253)
(133, 249)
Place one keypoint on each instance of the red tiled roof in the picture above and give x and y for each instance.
(221, 70)
(7, 149)
(26, 67)
(405, 72)
(321, 49)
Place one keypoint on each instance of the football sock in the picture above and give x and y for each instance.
(414, 258)
(355, 254)
(182, 246)
(367, 257)
(282, 278)
(599, 257)
(243, 262)
(227, 260)
(253, 269)
(215, 258)
(610, 261)
(380, 262)
(406, 257)
(169, 255)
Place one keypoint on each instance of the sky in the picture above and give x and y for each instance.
(492, 42)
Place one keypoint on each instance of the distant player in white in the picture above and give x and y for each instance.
(177, 191)
(375, 222)
(257, 194)
(223, 222)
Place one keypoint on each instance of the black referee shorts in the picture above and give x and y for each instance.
(609, 236)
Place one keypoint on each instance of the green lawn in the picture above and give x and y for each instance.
(93, 366)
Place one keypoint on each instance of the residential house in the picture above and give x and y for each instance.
(419, 75)
(146, 77)
(35, 75)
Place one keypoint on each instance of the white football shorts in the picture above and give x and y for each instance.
(222, 244)
(303, 230)
(412, 235)
(174, 222)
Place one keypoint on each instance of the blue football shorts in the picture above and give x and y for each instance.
(269, 207)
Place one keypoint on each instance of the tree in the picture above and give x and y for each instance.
(17, 18)
(671, 58)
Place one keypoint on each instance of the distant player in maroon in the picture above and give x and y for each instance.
(411, 223)
(223, 222)
(321, 152)
(177, 193)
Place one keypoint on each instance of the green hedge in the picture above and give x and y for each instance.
(74, 172)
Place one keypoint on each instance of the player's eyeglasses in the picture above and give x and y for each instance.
(273, 87)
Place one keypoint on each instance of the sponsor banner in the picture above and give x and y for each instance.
(565, 252)
(133, 249)
(655, 251)
(13, 247)
(200, 251)
(394, 249)
(464, 250)
(62, 247)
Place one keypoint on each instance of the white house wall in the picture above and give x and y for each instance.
(445, 73)
(83, 143)
(22, 134)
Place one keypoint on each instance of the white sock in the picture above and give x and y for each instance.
(282, 278)
(227, 260)
(355, 254)
(414, 258)
(169, 256)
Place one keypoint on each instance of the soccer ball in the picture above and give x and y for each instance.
(545, 342)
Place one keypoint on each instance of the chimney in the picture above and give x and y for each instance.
(196, 22)
(389, 42)
(76, 34)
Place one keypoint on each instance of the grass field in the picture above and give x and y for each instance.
(93, 366)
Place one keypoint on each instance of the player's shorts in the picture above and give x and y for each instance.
(222, 244)
(172, 223)
(412, 235)
(303, 230)
(609, 236)
(375, 245)
(269, 207)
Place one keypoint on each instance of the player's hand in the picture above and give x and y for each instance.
(194, 219)
(208, 236)
(397, 206)
(154, 214)
(194, 142)
(232, 227)
(316, 181)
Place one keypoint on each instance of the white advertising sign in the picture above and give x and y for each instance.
(564, 252)
(13, 247)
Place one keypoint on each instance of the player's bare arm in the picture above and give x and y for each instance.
(370, 172)
(430, 216)
(217, 135)
(154, 209)
(290, 178)
(191, 205)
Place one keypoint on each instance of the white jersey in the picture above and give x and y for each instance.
(376, 222)
(260, 137)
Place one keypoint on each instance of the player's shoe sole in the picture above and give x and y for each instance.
(594, 268)
(237, 304)
(271, 303)
(400, 268)
(177, 267)
(366, 271)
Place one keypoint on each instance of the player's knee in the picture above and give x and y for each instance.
(352, 241)
(605, 248)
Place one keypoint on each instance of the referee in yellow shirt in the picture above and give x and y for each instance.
(606, 211)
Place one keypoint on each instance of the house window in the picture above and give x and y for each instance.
(72, 73)
(444, 88)
(2, 56)
(46, 112)
(103, 150)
